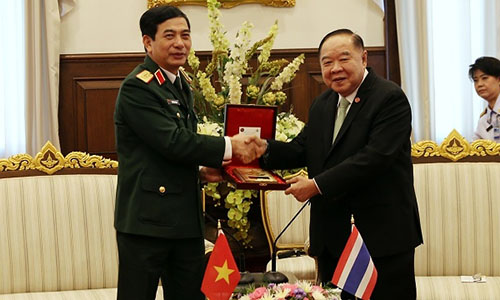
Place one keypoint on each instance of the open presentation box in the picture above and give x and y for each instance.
(256, 120)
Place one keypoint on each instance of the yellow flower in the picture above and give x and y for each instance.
(219, 100)
(266, 48)
(234, 214)
(274, 67)
(253, 91)
(280, 98)
(217, 36)
(288, 73)
(211, 190)
(269, 98)
(207, 89)
(193, 60)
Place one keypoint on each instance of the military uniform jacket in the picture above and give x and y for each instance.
(159, 153)
(367, 172)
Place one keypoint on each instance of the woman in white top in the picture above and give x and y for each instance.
(485, 72)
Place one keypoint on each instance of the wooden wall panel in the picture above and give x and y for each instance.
(391, 42)
(89, 85)
(95, 102)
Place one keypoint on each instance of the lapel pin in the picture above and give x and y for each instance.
(357, 99)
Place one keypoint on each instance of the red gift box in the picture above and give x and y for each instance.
(257, 120)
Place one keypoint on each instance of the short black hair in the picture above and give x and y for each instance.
(487, 64)
(356, 39)
(156, 15)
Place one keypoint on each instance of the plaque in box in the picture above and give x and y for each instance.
(251, 120)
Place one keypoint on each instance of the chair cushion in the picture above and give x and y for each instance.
(303, 267)
(450, 287)
(57, 233)
(460, 215)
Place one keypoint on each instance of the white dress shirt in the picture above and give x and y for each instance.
(488, 125)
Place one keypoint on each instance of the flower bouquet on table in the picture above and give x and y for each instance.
(298, 291)
(223, 81)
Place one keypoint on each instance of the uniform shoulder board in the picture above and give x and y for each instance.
(484, 112)
(185, 75)
(145, 76)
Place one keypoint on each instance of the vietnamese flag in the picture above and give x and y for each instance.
(222, 274)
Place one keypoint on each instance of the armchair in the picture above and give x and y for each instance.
(277, 210)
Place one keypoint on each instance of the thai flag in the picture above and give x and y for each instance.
(355, 272)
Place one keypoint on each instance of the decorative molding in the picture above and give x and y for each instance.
(224, 3)
(49, 160)
(301, 172)
(455, 147)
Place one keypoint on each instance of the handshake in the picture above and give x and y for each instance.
(248, 147)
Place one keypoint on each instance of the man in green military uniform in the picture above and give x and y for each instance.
(158, 214)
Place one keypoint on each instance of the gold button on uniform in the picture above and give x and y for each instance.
(178, 115)
(161, 189)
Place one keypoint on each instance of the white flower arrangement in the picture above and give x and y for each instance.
(219, 83)
(230, 63)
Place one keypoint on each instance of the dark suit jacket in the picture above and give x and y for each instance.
(158, 192)
(367, 172)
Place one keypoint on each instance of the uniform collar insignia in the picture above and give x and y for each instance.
(145, 76)
(484, 112)
(159, 77)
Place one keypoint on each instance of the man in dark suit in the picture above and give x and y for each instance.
(356, 146)
(158, 213)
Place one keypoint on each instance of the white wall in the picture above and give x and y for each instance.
(97, 26)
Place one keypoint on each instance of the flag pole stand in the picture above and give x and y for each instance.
(246, 278)
(274, 277)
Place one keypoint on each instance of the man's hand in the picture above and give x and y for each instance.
(261, 146)
(302, 188)
(248, 147)
(210, 174)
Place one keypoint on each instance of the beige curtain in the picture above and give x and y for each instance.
(438, 40)
(12, 93)
(43, 19)
(411, 19)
